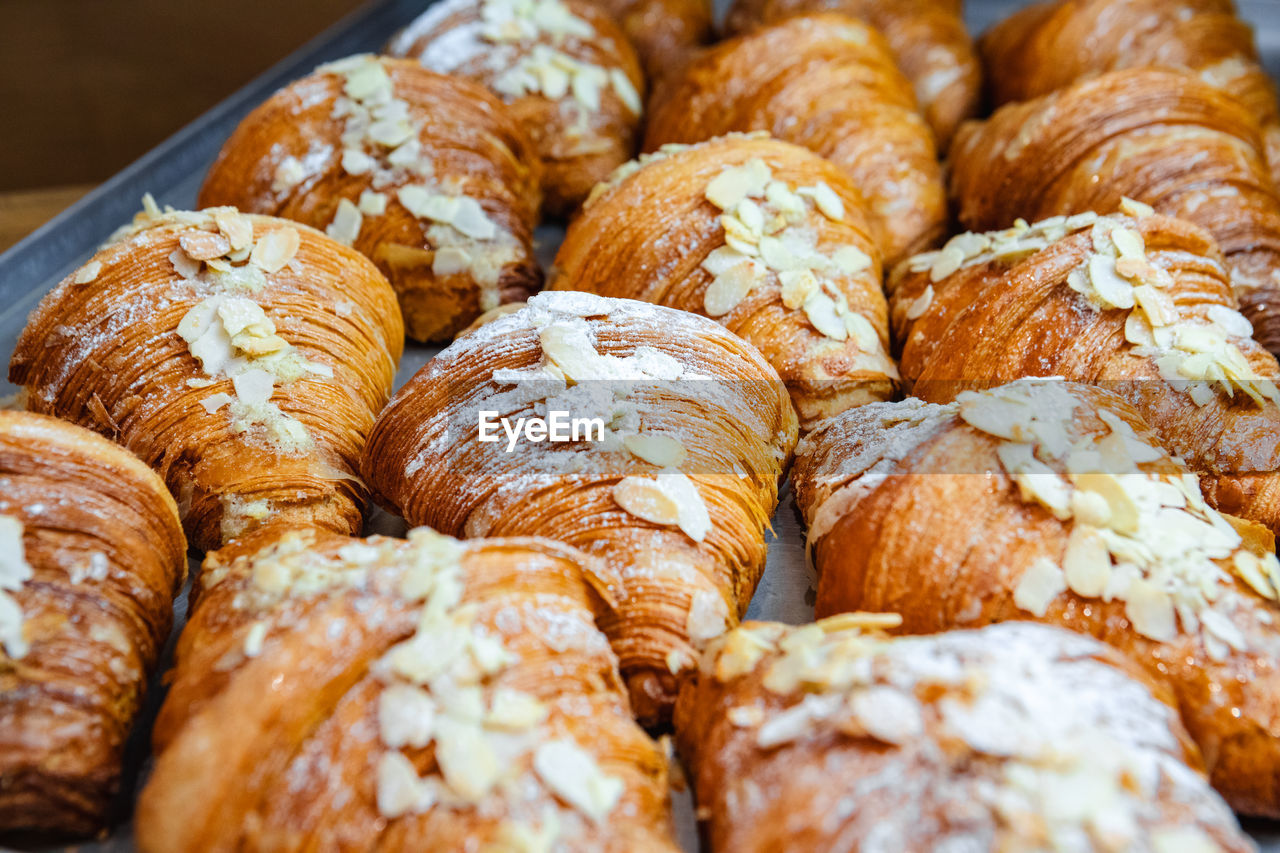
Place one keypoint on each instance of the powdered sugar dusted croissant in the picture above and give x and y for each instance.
(243, 357)
(384, 694)
(764, 236)
(829, 83)
(928, 39)
(1012, 737)
(1139, 304)
(429, 175)
(91, 555)
(1048, 45)
(1047, 500)
(1164, 138)
(566, 70)
(671, 439)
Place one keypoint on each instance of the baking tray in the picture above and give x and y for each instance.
(173, 171)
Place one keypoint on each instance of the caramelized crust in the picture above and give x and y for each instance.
(763, 236)
(428, 175)
(565, 70)
(673, 493)
(1012, 737)
(91, 556)
(1164, 138)
(383, 694)
(828, 83)
(928, 38)
(261, 428)
(1049, 45)
(665, 32)
(1049, 501)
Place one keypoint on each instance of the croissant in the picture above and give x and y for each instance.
(1164, 138)
(1009, 737)
(665, 33)
(385, 694)
(242, 357)
(828, 83)
(1046, 46)
(91, 556)
(1077, 518)
(1139, 304)
(671, 479)
(429, 175)
(928, 39)
(761, 235)
(565, 69)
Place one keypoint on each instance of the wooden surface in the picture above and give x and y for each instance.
(23, 211)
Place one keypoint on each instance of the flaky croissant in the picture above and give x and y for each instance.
(243, 357)
(565, 69)
(1048, 45)
(928, 39)
(1164, 138)
(384, 694)
(91, 556)
(1051, 501)
(665, 33)
(828, 83)
(1012, 737)
(672, 489)
(427, 174)
(1141, 305)
(764, 236)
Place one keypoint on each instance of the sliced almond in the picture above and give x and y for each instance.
(1110, 289)
(1129, 243)
(275, 249)
(734, 184)
(797, 285)
(1086, 564)
(236, 227)
(1039, 585)
(347, 222)
(921, 303)
(1123, 512)
(1136, 209)
(821, 311)
(204, 245)
(656, 449)
(948, 261)
(729, 288)
(1150, 610)
(645, 499)
(88, 272)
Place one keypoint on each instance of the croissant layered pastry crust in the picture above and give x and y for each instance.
(673, 489)
(565, 69)
(427, 174)
(1164, 138)
(1140, 304)
(1046, 46)
(242, 357)
(763, 236)
(392, 694)
(1009, 737)
(826, 82)
(664, 32)
(928, 39)
(1051, 501)
(91, 556)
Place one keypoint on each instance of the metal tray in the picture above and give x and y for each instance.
(173, 171)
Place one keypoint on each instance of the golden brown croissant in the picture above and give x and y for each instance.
(91, 556)
(1012, 737)
(671, 480)
(384, 694)
(565, 69)
(828, 83)
(243, 357)
(1140, 305)
(1164, 138)
(429, 175)
(765, 237)
(1048, 45)
(665, 33)
(928, 38)
(1047, 500)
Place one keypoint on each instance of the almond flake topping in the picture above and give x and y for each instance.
(14, 572)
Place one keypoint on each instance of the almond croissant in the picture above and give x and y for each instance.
(1012, 737)
(928, 38)
(1047, 500)
(1048, 45)
(384, 694)
(1161, 137)
(1141, 305)
(243, 357)
(91, 556)
(428, 175)
(673, 435)
(764, 236)
(828, 83)
(665, 32)
(565, 69)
